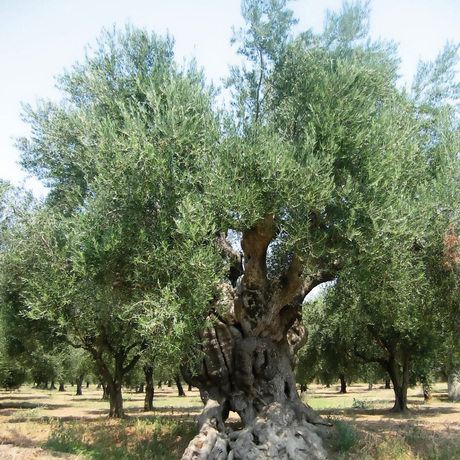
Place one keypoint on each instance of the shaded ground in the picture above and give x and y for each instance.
(29, 416)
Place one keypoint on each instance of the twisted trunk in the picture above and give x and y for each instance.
(105, 392)
(249, 356)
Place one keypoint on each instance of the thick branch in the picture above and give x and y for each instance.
(289, 284)
(381, 342)
(313, 280)
(105, 340)
(360, 358)
(133, 361)
(259, 85)
(255, 243)
(232, 255)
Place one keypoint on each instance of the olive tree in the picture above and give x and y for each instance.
(110, 267)
(168, 215)
(323, 161)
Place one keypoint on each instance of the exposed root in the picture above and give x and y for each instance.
(276, 433)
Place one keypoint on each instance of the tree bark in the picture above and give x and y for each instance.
(427, 396)
(113, 379)
(105, 392)
(248, 365)
(180, 389)
(453, 385)
(400, 380)
(61, 386)
(79, 382)
(149, 389)
(343, 384)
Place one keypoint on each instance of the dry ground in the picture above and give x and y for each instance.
(28, 415)
(427, 426)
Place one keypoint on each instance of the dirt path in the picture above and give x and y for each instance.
(11, 452)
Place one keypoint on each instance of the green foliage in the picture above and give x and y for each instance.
(344, 436)
(361, 404)
(262, 42)
(119, 259)
(12, 374)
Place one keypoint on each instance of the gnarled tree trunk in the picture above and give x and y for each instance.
(250, 353)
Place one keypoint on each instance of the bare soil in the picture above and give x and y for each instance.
(27, 415)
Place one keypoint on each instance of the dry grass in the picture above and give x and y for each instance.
(429, 431)
(78, 427)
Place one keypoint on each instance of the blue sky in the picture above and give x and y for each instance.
(40, 38)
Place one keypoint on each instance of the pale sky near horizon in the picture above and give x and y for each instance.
(40, 38)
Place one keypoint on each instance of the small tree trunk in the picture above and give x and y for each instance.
(303, 387)
(140, 388)
(343, 384)
(61, 386)
(190, 387)
(159, 384)
(87, 384)
(370, 386)
(427, 396)
(453, 385)
(180, 389)
(400, 382)
(149, 390)
(105, 392)
(116, 400)
(79, 382)
(387, 385)
(53, 386)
